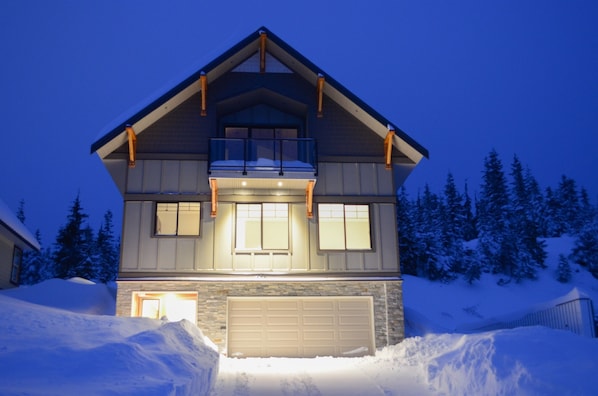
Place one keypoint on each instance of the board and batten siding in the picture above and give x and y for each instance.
(213, 250)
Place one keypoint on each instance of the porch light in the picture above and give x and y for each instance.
(320, 95)
(388, 146)
(132, 145)
(263, 37)
(279, 184)
(203, 81)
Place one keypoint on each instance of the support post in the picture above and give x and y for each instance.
(320, 86)
(388, 148)
(309, 199)
(203, 80)
(214, 187)
(263, 37)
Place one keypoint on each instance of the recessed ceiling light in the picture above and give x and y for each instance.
(243, 183)
(279, 184)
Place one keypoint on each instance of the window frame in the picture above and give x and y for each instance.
(16, 265)
(176, 234)
(344, 225)
(261, 249)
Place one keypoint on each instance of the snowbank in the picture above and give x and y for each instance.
(52, 351)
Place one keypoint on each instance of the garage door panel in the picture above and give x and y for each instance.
(300, 326)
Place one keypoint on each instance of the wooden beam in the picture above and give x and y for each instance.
(132, 145)
(388, 148)
(203, 80)
(309, 199)
(263, 37)
(214, 187)
(320, 95)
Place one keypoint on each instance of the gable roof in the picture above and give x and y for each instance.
(18, 233)
(115, 135)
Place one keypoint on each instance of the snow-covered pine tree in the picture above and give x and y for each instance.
(585, 252)
(563, 270)
(568, 207)
(69, 246)
(469, 227)
(495, 240)
(428, 237)
(452, 226)
(528, 251)
(107, 250)
(406, 231)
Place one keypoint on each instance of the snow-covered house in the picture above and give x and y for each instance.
(259, 203)
(15, 239)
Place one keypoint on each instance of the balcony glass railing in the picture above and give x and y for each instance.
(281, 155)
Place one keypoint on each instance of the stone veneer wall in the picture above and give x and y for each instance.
(212, 299)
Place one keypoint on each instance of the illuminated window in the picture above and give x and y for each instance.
(15, 271)
(344, 227)
(177, 218)
(173, 306)
(262, 226)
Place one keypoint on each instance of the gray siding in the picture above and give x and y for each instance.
(214, 249)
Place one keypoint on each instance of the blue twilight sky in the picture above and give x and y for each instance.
(460, 77)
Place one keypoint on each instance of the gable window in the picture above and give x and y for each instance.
(344, 227)
(264, 143)
(262, 226)
(177, 218)
(15, 271)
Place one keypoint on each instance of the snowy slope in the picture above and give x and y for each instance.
(55, 351)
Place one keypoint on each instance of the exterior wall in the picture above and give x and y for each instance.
(212, 299)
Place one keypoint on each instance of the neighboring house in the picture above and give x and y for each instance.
(15, 239)
(259, 203)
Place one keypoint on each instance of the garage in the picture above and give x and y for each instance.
(300, 326)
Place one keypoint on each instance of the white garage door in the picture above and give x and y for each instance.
(300, 326)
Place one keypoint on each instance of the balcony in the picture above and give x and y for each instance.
(263, 158)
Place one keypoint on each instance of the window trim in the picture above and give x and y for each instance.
(16, 267)
(346, 249)
(176, 235)
(261, 250)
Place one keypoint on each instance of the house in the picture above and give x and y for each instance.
(15, 239)
(259, 203)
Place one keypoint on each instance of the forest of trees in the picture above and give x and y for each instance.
(506, 223)
(77, 252)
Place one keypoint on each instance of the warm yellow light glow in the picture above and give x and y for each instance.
(279, 184)
(243, 183)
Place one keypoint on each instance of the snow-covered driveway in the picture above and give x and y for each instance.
(320, 376)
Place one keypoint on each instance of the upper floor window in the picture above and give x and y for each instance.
(178, 218)
(344, 227)
(262, 226)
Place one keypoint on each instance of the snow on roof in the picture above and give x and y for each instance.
(10, 221)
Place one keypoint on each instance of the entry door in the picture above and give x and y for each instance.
(300, 326)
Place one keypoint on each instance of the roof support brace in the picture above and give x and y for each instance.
(263, 37)
(203, 80)
(309, 199)
(320, 95)
(388, 148)
(132, 145)
(214, 187)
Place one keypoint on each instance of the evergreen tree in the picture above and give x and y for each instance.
(452, 225)
(107, 249)
(406, 230)
(495, 241)
(563, 271)
(528, 251)
(585, 252)
(70, 249)
(429, 238)
(568, 207)
(469, 228)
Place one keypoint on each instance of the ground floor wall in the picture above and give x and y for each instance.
(212, 298)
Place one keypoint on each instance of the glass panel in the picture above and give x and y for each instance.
(276, 226)
(188, 218)
(289, 147)
(331, 226)
(17, 259)
(166, 218)
(248, 230)
(235, 149)
(357, 224)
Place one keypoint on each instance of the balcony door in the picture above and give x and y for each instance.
(265, 145)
